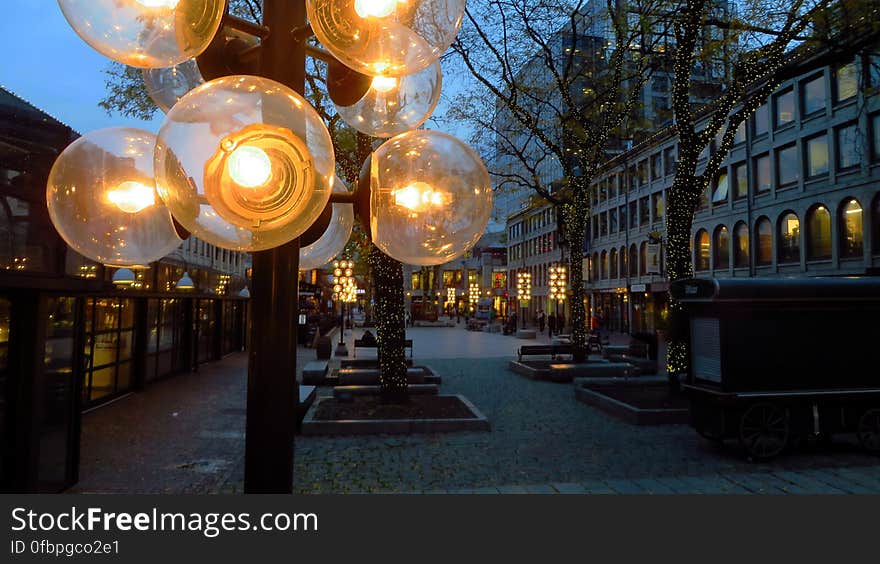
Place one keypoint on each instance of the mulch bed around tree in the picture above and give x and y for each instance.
(644, 396)
(371, 407)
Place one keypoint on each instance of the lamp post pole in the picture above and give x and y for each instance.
(273, 392)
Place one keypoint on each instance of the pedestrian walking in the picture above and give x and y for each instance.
(560, 323)
(551, 324)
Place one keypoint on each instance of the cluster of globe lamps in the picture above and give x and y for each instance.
(247, 164)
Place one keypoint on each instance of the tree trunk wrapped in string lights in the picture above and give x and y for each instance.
(390, 325)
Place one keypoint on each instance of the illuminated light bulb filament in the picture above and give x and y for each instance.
(249, 167)
(131, 196)
(374, 8)
(418, 196)
(384, 83)
(170, 4)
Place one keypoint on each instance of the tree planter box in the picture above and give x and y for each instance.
(645, 413)
(474, 421)
(370, 376)
(566, 371)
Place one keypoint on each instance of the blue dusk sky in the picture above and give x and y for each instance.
(46, 63)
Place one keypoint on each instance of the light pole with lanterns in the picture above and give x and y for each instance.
(524, 292)
(343, 276)
(243, 161)
(558, 286)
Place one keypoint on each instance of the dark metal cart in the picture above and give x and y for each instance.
(775, 359)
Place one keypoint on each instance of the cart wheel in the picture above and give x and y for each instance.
(868, 431)
(763, 430)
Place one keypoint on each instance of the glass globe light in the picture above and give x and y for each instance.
(386, 37)
(101, 196)
(430, 199)
(145, 33)
(337, 234)
(393, 105)
(168, 85)
(244, 163)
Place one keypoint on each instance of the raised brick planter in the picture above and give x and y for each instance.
(311, 426)
(630, 413)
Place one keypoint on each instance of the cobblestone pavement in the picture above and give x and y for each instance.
(186, 434)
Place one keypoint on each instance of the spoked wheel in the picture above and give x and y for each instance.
(763, 430)
(868, 431)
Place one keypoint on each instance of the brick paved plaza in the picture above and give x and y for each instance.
(186, 434)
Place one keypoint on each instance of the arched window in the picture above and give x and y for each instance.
(764, 246)
(875, 223)
(643, 258)
(633, 260)
(818, 233)
(614, 273)
(604, 265)
(624, 264)
(701, 250)
(789, 238)
(851, 229)
(722, 248)
(741, 245)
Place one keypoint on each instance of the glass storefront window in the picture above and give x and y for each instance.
(701, 256)
(789, 239)
(764, 234)
(722, 248)
(741, 245)
(851, 229)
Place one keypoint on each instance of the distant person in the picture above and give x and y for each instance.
(541, 320)
(513, 322)
(560, 322)
(551, 324)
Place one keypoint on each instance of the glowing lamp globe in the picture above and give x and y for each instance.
(244, 163)
(430, 198)
(331, 243)
(386, 37)
(166, 86)
(393, 105)
(145, 33)
(102, 199)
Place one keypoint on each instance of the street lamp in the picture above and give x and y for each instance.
(343, 277)
(524, 292)
(244, 162)
(558, 286)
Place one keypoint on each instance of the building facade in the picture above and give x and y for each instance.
(797, 196)
(70, 340)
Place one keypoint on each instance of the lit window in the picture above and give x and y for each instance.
(851, 234)
(701, 256)
(789, 239)
(722, 248)
(657, 204)
(817, 155)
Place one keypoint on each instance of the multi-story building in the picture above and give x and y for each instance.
(797, 196)
(69, 339)
(451, 287)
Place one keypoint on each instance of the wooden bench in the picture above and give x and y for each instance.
(407, 344)
(543, 350)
